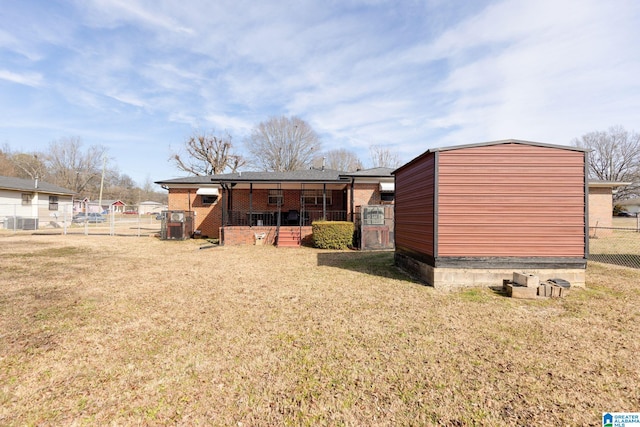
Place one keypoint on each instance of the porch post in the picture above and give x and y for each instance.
(324, 200)
(230, 202)
(300, 200)
(250, 204)
(224, 209)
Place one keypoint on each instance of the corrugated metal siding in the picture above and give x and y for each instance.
(414, 201)
(511, 200)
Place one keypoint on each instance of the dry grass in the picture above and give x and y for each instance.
(102, 330)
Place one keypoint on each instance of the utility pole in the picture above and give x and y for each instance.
(104, 163)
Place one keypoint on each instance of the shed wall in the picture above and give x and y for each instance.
(511, 200)
(414, 209)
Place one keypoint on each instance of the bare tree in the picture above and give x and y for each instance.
(342, 160)
(7, 167)
(382, 157)
(72, 168)
(614, 156)
(283, 144)
(30, 165)
(208, 154)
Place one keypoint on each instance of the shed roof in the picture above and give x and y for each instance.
(19, 184)
(491, 143)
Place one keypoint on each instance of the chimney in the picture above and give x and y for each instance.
(36, 183)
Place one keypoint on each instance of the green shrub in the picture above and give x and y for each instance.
(332, 234)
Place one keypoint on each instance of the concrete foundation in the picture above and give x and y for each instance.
(455, 277)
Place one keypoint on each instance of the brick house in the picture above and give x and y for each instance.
(239, 208)
(601, 206)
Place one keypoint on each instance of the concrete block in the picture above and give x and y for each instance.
(525, 292)
(558, 291)
(526, 279)
(544, 290)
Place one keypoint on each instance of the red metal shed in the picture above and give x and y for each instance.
(473, 214)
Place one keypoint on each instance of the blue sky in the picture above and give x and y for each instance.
(138, 76)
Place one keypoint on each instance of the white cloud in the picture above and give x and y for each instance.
(529, 76)
(409, 75)
(27, 79)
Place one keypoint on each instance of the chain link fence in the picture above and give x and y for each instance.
(64, 218)
(616, 245)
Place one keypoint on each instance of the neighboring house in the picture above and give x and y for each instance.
(237, 207)
(631, 205)
(116, 206)
(87, 206)
(473, 214)
(149, 207)
(30, 204)
(601, 206)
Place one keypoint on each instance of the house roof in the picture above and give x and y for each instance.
(491, 143)
(305, 175)
(19, 184)
(608, 184)
(371, 173)
(112, 202)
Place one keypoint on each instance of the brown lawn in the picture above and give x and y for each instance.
(99, 330)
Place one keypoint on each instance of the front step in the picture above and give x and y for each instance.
(289, 237)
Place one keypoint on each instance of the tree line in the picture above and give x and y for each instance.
(289, 143)
(279, 144)
(614, 156)
(68, 164)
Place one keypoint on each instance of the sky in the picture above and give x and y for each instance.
(140, 76)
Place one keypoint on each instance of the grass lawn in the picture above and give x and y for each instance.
(99, 330)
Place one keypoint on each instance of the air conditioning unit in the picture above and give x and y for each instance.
(176, 225)
(176, 217)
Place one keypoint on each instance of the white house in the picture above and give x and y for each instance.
(27, 204)
(150, 207)
(631, 205)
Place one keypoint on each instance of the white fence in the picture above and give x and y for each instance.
(47, 219)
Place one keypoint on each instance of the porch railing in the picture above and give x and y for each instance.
(287, 217)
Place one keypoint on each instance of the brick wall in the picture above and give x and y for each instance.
(234, 236)
(600, 209)
(291, 200)
(366, 194)
(207, 218)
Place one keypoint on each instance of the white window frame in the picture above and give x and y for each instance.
(275, 197)
(314, 198)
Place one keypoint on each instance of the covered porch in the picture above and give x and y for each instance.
(282, 204)
(278, 212)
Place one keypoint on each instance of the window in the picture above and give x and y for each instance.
(207, 200)
(387, 197)
(276, 197)
(26, 198)
(314, 197)
(53, 203)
